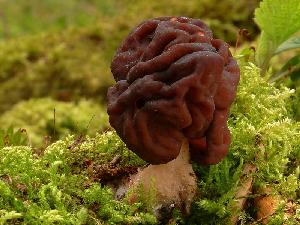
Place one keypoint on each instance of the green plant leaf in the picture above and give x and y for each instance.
(291, 63)
(295, 77)
(291, 43)
(291, 67)
(278, 21)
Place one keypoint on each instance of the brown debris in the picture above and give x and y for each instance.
(266, 204)
(110, 173)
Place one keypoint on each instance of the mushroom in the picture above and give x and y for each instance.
(170, 104)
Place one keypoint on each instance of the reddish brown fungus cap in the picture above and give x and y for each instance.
(174, 81)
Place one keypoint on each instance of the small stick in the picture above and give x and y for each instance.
(243, 191)
(89, 123)
(115, 160)
(76, 142)
(241, 33)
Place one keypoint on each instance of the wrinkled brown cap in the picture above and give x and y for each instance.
(174, 81)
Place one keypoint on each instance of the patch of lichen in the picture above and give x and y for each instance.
(46, 120)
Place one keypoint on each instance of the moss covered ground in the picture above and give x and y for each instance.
(47, 120)
(64, 183)
(57, 153)
(65, 54)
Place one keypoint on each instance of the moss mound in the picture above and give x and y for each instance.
(33, 16)
(65, 65)
(61, 184)
(215, 13)
(264, 135)
(57, 188)
(74, 62)
(46, 120)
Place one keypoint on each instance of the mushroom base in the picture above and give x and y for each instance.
(173, 184)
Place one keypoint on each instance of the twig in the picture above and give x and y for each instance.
(243, 191)
(76, 142)
(115, 160)
(241, 33)
(262, 219)
(89, 123)
(283, 74)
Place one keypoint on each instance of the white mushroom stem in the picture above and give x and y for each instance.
(174, 182)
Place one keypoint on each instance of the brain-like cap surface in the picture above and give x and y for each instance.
(174, 81)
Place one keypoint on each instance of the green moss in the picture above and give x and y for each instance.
(68, 63)
(263, 133)
(52, 191)
(75, 151)
(25, 17)
(12, 137)
(59, 187)
(36, 116)
(64, 65)
(215, 13)
(33, 16)
(296, 104)
(55, 185)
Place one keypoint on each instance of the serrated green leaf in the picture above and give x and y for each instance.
(291, 43)
(278, 18)
(278, 21)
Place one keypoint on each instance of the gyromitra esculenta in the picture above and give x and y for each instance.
(175, 85)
